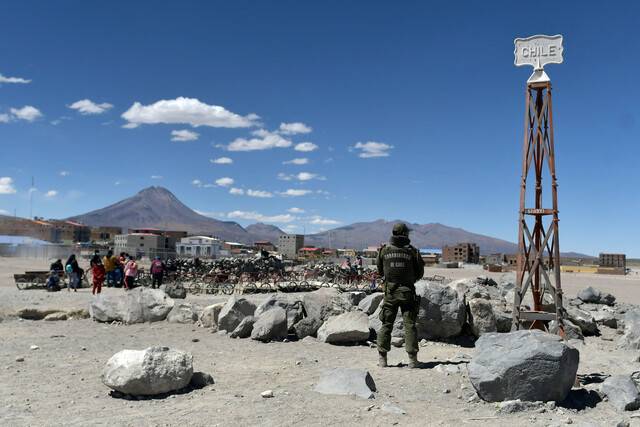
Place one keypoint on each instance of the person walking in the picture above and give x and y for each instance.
(130, 273)
(157, 272)
(95, 259)
(402, 266)
(98, 273)
(74, 273)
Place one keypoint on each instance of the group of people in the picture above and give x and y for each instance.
(115, 271)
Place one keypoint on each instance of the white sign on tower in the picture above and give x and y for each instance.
(538, 51)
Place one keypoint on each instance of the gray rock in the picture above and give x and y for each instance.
(584, 320)
(481, 317)
(355, 297)
(346, 328)
(60, 315)
(138, 305)
(325, 302)
(571, 330)
(345, 382)
(442, 312)
(152, 371)
(528, 365)
(622, 392)
(397, 341)
(370, 304)
(596, 296)
(290, 304)
(515, 406)
(175, 291)
(307, 327)
(183, 312)
(375, 323)
(233, 312)
(243, 330)
(631, 338)
(270, 326)
(504, 317)
(200, 380)
(605, 317)
(209, 316)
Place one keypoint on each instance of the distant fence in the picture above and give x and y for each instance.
(37, 251)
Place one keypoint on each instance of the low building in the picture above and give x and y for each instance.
(613, 260)
(347, 253)
(145, 245)
(104, 234)
(265, 245)
(371, 251)
(462, 252)
(290, 244)
(199, 247)
(311, 253)
(494, 259)
(167, 233)
(35, 229)
(71, 231)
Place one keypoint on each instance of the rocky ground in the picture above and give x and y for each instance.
(59, 381)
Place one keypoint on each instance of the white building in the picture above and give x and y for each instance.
(199, 247)
(145, 244)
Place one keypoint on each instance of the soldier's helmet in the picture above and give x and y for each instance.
(401, 229)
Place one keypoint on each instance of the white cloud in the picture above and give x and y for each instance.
(64, 173)
(224, 182)
(373, 149)
(51, 193)
(318, 220)
(264, 140)
(259, 193)
(294, 128)
(4, 118)
(295, 210)
(196, 183)
(117, 183)
(211, 214)
(306, 147)
(87, 106)
(6, 185)
(20, 80)
(291, 227)
(186, 111)
(299, 161)
(27, 113)
(302, 176)
(236, 191)
(222, 161)
(4, 212)
(255, 216)
(184, 135)
(156, 176)
(284, 177)
(294, 193)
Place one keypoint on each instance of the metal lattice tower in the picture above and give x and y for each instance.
(538, 262)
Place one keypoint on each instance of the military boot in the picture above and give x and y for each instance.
(382, 359)
(413, 360)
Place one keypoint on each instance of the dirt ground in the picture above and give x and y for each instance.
(59, 383)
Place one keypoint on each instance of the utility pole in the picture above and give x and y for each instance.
(31, 190)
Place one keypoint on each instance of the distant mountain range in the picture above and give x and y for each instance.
(157, 207)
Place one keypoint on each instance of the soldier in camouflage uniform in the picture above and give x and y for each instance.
(402, 266)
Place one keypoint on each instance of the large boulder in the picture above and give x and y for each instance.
(375, 323)
(529, 365)
(571, 330)
(370, 303)
(354, 297)
(325, 302)
(631, 338)
(209, 316)
(346, 382)
(233, 312)
(175, 290)
(307, 327)
(243, 330)
(584, 320)
(622, 392)
(270, 326)
(346, 328)
(481, 317)
(606, 317)
(138, 305)
(152, 371)
(184, 312)
(290, 304)
(596, 296)
(442, 311)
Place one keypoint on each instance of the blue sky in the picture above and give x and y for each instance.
(413, 109)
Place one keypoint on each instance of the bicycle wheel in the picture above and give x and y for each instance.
(250, 288)
(22, 283)
(226, 288)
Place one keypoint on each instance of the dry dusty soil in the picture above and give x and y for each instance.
(59, 383)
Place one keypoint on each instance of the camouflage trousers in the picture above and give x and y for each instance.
(403, 298)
